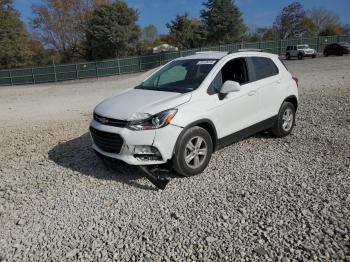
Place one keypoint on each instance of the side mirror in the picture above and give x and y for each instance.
(230, 86)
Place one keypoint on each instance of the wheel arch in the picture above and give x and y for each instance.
(292, 99)
(206, 124)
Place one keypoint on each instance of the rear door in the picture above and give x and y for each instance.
(268, 85)
(295, 50)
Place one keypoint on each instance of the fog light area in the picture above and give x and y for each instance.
(149, 153)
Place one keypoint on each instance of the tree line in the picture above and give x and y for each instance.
(64, 31)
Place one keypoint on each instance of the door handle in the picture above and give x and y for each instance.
(251, 93)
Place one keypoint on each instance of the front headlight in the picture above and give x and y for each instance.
(154, 122)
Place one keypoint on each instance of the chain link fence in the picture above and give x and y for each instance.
(110, 67)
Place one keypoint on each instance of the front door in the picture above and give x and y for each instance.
(237, 110)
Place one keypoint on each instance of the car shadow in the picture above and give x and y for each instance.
(77, 155)
(264, 134)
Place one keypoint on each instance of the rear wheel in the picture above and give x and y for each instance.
(325, 53)
(313, 56)
(193, 152)
(285, 120)
(288, 56)
(300, 56)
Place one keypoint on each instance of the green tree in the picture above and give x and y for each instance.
(112, 31)
(293, 22)
(14, 39)
(41, 55)
(267, 33)
(223, 21)
(270, 34)
(331, 30)
(185, 32)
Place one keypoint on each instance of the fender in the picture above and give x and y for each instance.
(204, 123)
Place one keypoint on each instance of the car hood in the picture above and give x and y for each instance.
(125, 105)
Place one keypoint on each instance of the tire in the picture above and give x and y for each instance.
(285, 120)
(189, 143)
(313, 56)
(300, 56)
(325, 53)
(288, 56)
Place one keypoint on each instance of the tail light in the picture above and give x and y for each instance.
(296, 80)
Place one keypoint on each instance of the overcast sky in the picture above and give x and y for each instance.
(256, 13)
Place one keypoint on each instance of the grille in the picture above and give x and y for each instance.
(108, 142)
(109, 121)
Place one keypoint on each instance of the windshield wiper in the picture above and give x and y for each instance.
(165, 89)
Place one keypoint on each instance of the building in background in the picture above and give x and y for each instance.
(164, 48)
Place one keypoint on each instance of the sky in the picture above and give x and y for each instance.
(256, 13)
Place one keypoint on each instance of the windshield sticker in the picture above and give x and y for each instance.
(209, 62)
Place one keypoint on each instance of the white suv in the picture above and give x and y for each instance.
(193, 106)
(300, 51)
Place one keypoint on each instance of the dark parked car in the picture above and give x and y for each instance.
(337, 49)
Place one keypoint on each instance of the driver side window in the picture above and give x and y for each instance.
(234, 70)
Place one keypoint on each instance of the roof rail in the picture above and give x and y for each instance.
(250, 50)
(246, 50)
(209, 52)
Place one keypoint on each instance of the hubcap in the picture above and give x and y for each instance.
(288, 118)
(195, 152)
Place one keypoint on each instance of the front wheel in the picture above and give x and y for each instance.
(313, 56)
(193, 152)
(300, 56)
(285, 120)
(288, 56)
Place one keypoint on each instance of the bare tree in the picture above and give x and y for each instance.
(61, 24)
(293, 22)
(323, 18)
(150, 33)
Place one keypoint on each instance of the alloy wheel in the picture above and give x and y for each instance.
(195, 152)
(288, 119)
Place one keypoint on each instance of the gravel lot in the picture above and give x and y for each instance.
(259, 199)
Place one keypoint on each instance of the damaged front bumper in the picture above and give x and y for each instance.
(149, 147)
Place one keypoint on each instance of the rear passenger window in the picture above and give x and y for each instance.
(264, 67)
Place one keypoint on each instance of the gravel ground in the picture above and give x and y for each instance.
(262, 199)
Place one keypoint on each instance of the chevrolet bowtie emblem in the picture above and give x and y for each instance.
(103, 120)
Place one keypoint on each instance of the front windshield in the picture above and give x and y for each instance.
(180, 76)
(303, 46)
